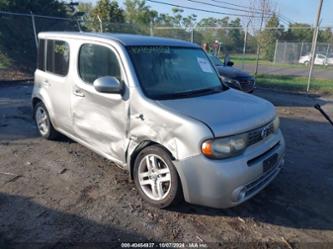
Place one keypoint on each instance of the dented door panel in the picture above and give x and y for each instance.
(100, 119)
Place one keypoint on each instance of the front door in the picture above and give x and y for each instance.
(99, 119)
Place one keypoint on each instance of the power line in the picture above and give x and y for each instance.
(224, 7)
(287, 18)
(283, 19)
(36, 15)
(232, 4)
(247, 8)
(203, 10)
(256, 11)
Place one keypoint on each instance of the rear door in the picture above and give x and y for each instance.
(52, 77)
(100, 119)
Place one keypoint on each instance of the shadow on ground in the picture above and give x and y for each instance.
(51, 228)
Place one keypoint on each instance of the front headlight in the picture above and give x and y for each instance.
(276, 124)
(225, 147)
(230, 82)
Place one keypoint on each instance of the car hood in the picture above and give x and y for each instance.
(232, 72)
(226, 113)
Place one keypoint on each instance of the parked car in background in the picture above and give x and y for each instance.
(319, 60)
(330, 59)
(157, 108)
(233, 77)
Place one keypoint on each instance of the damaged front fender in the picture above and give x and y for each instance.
(151, 123)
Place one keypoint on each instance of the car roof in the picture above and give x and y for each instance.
(124, 39)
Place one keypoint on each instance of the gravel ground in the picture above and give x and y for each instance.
(60, 192)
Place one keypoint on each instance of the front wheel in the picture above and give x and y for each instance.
(156, 177)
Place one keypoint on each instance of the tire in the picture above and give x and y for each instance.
(43, 122)
(306, 63)
(156, 177)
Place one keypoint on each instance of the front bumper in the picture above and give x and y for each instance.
(229, 182)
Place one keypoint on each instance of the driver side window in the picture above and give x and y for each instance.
(96, 61)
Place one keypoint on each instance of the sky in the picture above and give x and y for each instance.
(296, 10)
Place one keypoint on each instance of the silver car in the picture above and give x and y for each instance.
(156, 107)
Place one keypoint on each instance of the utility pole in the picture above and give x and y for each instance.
(258, 44)
(100, 24)
(151, 28)
(245, 40)
(314, 43)
(34, 29)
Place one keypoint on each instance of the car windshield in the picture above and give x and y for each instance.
(216, 61)
(174, 72)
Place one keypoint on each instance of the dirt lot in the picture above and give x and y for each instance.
(60, 192)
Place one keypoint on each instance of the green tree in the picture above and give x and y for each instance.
(86, 8)
(180, 26)
(268, 37)
(139, 15)
(235, 35)
(189, 21)
(17, 41)
(212, 29)
(177, 17)
(136, 11)
(109, 13)
(46, 7)
(325, 35)
(298, 32)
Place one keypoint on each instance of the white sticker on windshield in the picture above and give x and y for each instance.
(204, 65)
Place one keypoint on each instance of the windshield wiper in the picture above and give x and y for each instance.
(192, 93)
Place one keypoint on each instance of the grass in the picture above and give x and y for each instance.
(247, 59)
(238, 59)
(4, 61)
(293, 83)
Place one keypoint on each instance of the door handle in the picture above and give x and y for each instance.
(46, 83)
(77, 91)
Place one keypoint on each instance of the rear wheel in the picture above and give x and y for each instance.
(306, 63)
(156, 177)
(43, 122)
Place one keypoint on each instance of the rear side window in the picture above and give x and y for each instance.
(57, 57)
(96, 61)
(41, 55)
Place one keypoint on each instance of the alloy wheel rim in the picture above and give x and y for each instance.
(154, 177)
(42, 121)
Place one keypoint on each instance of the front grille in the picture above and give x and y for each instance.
(253, 187)
(261, 133)
(261, 157)
(246, 84)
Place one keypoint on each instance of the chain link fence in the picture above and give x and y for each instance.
(299, 52)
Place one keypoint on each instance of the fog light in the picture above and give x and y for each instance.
(239, 194)
(242, 194)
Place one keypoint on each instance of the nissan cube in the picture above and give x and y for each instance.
(157, 108)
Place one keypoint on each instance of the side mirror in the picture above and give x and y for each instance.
(108, 84)
(230, 64)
